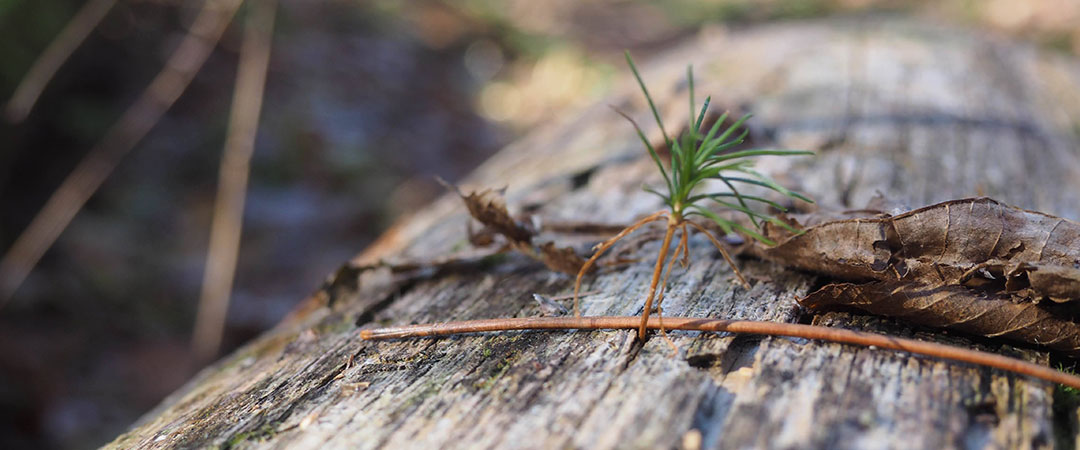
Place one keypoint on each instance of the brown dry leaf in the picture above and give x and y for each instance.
(564, 260)
(1058, 283)
(1034, 255)
(957, 308)
(973, 265)
(1029, 280)
(480, 238)
(489, 207)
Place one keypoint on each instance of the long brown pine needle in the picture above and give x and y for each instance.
(733, 326)
(54, 56)
(136, 122)
(226, 228)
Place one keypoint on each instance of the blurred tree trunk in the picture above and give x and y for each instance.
(916, 112)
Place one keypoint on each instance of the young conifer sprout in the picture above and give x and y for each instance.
(695, 158)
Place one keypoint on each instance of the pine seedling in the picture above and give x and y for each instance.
(697, 156)
(694, 159)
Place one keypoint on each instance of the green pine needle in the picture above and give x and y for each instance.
(696, 158)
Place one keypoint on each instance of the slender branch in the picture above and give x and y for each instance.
(842, 336)
(232, 181)
(50, 60)
(136, 122)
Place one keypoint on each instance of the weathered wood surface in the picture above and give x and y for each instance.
(917, 112)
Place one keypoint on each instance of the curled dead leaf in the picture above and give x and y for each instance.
(1058, 283)
(489, 208)
(955, 307)
(1037, 255)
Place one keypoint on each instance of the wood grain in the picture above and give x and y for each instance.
(918, 112)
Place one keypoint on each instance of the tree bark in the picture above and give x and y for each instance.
(916, 112)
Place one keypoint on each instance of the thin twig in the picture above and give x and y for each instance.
(136, 122)
(54, 56)
(734, 326)
(232, 181)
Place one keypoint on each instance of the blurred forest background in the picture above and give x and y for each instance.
(365, 102)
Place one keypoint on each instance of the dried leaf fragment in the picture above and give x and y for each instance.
(489, 208)
(480, 238)
(945, 244)
(564, 260)
(974, 265)
(1058, 283)
(954, 307)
